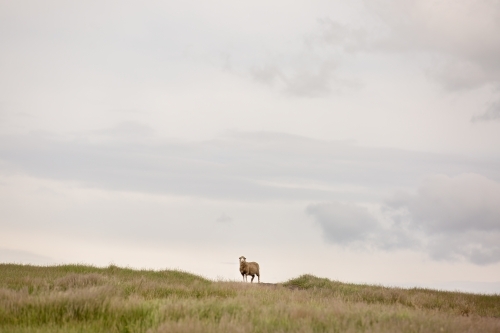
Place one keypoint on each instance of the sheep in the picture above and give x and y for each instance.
(249, 268)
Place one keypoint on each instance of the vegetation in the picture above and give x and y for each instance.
(77, 298)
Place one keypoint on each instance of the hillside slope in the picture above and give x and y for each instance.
(77, 298)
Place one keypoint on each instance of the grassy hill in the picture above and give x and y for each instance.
(77, 298)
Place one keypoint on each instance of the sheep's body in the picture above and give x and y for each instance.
(249, 268)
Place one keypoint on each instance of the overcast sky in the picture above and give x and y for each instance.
(357, 141)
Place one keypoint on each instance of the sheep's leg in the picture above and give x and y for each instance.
(258, 275)
(243, 276)
(253, 276)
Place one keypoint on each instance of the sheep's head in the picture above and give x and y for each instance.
(243, 259)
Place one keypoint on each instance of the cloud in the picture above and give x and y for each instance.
(456, 74)
(312, 70)
(453, 205)
(459, 216)
(339, 36)
(224, 218)
(479, 247)
(455, 42)
(492, 113)
(449, 218)
(312, 79)
(461, 33)
(343, 223)
(236, 166)
(353, 225)
(265, 166)
(127, 130)
(457, 37)
(268, 73)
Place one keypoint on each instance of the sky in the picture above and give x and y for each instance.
(357, 141)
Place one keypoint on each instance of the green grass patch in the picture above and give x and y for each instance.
(80, 298)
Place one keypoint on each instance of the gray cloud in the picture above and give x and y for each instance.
(479, 247)
(459, 216)
(224, 218)
(343, 223)
(237, 166)
(352, 225)
(309, 83)
(492, 113)
(312, 70)
(456, 74)
(452, 205)
(267, 74)
(314, 79)
(459, 36)
(339, 37)
(449, 218)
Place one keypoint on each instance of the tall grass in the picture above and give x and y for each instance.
(77, 298)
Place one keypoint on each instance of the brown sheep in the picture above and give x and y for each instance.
(249, 268)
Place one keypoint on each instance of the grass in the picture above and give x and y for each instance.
(78, 298)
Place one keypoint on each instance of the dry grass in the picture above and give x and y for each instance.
(76, 298)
